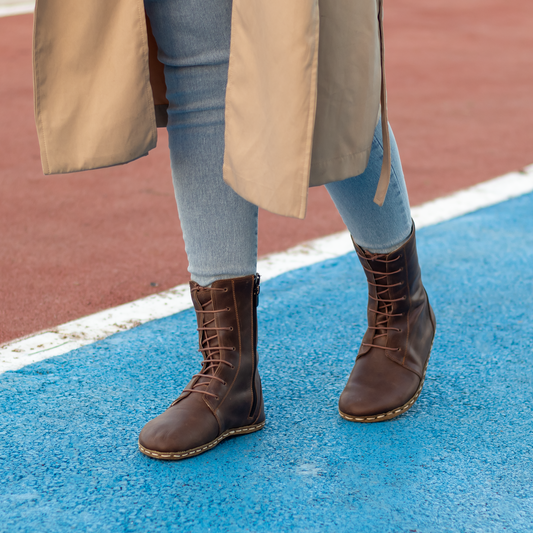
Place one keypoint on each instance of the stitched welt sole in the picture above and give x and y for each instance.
(395, 412)
(176, 456)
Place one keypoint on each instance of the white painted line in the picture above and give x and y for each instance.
(477, 197)
(16, 8)
(89, 329)
(78, 333)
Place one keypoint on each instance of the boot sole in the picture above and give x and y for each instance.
(395, 412)
(176, 456)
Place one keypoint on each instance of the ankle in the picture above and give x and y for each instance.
(387, 248)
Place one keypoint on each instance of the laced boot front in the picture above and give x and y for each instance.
(224, 399)
(391, 364)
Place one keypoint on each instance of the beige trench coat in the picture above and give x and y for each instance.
(305, 84)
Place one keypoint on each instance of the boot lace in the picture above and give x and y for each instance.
(385, 306)
(212, 354)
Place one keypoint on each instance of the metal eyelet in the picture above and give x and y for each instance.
(228, 309)
(226, 289)
(231, 328)
(224, 383)
(234, 349)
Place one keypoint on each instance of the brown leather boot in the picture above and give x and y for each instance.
(391, 364)
(225, 399)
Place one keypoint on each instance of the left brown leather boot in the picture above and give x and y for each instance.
(225, 398)
(391, 364)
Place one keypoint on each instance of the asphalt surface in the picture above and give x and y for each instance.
(459, 82)
(460, 460)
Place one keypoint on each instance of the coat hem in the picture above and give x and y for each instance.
(256, 195)
(340, 168)
(96, 166)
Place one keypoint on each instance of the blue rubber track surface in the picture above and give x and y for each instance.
(460, 460)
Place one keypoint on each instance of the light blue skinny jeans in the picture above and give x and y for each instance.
(219, 227)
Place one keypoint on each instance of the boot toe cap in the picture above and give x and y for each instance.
(368, 397)
(176, 430)
(369, 403)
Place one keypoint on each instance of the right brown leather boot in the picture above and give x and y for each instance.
(225, 399)
(390, 368)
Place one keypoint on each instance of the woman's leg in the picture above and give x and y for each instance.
(219, 227)
(220, 233)
(390, 368)
(374, 228)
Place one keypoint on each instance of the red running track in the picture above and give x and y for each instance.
(460, 81)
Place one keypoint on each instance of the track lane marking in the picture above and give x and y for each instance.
(16, 8)
(77, 333)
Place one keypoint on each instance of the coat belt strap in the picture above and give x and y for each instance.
(384, 178)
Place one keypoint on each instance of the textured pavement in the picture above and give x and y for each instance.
(460, 460)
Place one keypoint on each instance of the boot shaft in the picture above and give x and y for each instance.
(397, 305)
(227, 324)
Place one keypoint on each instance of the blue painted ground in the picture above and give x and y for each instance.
(460, 460)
